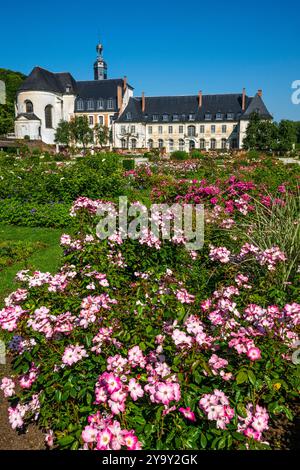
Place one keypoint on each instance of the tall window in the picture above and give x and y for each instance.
(160, 143)
(191, 144)
(224, 128)
(48, 117)
(28, 107)
(213, 144)
(150, 129)
(132, 129)
(150, 144)
(180, 129)
(80, 105)
(90, 104)
(123, 143)
(234, 144)
(91, 120)
(133, 144)
(100, 120)
(170, 129)
(160, 129)
(223, 143)
(213, 129)
(191, 131)
(202, 129)
(110, 103)
(171, 145)
(181, 144)
(202, 144)
(123, 130)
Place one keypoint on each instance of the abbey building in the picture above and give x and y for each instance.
(167, 122)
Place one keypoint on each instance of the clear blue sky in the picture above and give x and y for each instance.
(164, 47)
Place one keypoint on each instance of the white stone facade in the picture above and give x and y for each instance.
(178, 136)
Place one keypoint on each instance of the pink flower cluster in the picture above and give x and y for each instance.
(184, 297)
(255, 423)
(219, 254)
(218, 365)
(27, 380)
(105, 433)
(73, 354)
(91, 306)
(8, 387)
(16, 415)
(216, 407)
(50, 325)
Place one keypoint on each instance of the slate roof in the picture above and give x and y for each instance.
(29, 116)
(42, 80)
(183, 106)
(256, 105)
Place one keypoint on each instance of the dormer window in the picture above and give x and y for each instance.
(80, 105)
(191, 117)
(100, 103)
(68, 89)
(165, 117)
(219, 116)
(230, 116)
(128, 116)
(207, 117)
(155, 117)
(110, 103)
(90, 104)
(175, 117)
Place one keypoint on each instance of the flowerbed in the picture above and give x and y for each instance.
(142, 344)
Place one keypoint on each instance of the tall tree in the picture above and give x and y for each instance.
(12, 82)
(63, 133)
(287, 135)
(101, 134)
(261, 134)
(80, 131)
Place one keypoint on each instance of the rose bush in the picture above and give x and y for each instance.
(142, 344)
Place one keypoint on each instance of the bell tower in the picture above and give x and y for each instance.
(100, 66)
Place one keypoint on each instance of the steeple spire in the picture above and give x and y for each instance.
(100, 66)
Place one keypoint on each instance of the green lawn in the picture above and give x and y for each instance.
(46, 256)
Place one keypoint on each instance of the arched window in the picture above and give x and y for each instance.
(191, 131)
(191, 144)
(48, 117)
(150, 144)
(160, 143)
(133, 144)
(181, 144)
(223, 143)
(202, 144)
(28, 106)
(213, 144)
(123, 143)
(171, 145)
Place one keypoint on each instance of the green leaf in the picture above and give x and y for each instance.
(251, 376)
(66, 440)
(241, 377)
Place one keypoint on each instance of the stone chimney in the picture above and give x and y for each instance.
(125, 82)
(244, 100)
(200, 99)
(259, 92)
(143, 102)
(119, 97)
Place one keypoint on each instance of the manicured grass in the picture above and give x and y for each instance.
(46, 257)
